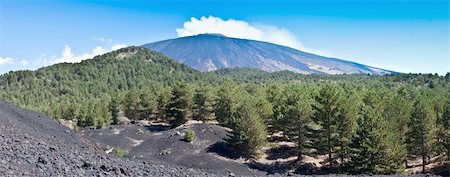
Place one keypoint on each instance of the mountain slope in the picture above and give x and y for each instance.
(208, 52)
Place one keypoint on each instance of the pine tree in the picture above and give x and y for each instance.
(226, 102)
(326, 116)
(248, 133)
(276, 97)
(180, 106)
(133, 105)
(149, 104)
(422, 133)
(371, 143)
(297, 118)
(445, 131)
(397, 111)
(348, 110)
(114, 109)
(265, 109)
(203, 104)
(163, 101)
(441, 104)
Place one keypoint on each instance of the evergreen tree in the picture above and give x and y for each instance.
(180, 105)
(163, 101)
(114, 108)
(422, 133)
(346, 121)
(441, 104)
(248, 133)
(297, 118)
(203, 104)
(326, 117)
(277, 98)
(133, 105)
(226, 102)
(371, 144)
(446, 129)
(149, 104)
(397, 111)
(265, 108)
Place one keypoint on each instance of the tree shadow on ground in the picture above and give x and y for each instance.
(287, 167)
(157, 128)
(272, 168)
(442, 170)
(281, 152)
(276, 139)
(224, 149)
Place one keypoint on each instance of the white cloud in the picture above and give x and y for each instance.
(5, 60)
(23, 62)
(69, 57)
(102, 39)
(118, 46)
(242, 29)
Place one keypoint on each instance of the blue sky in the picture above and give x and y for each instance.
(404, 36)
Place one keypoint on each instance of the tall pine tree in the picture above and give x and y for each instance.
(179, 110)
(397, 111)
(372, 142)
(348, 109)
(423, 130)
(445, 131)
(227, 100)
(203, 104)
(277, 98)
(297, 118)
(248, 133)
(326, 117)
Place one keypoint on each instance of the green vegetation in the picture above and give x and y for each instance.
(361, 123)
(204, 104)
(326, 117)
(118, 151)
(189, 136)
(297, 117)
(249, 133)
(423, 130)
(179, 110)
(371, 144)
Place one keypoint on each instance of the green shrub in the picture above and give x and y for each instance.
(118, 151)
(189, 136)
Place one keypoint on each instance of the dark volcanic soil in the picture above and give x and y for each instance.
(159, 143)
(34, 145)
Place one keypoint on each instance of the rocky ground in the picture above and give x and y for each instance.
(34, 145)
(159, 143)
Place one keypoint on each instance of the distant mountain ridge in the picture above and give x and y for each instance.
(209, 52)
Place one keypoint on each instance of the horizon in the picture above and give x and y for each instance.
(363, 32)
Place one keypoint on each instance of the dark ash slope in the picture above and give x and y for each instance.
(34, 145)
(159, 143)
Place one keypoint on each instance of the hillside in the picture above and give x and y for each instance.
(100, 77)
(60, 89)
(209, 52)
